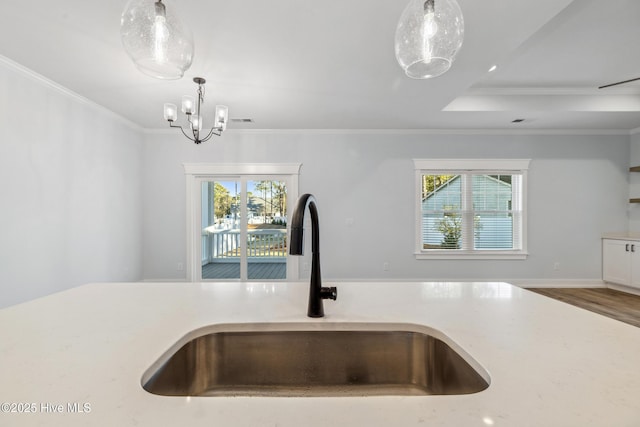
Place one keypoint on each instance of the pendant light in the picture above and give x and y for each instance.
(428, 37)
(155, 39)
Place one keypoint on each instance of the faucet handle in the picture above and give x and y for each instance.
(329, 293)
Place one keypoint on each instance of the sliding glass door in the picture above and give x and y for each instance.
(220, 237)
(237, 220)
(266, 222)
(244, 228)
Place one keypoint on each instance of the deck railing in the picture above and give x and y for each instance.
(225, 245)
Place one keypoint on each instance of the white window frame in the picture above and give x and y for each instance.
(475, 166)
(197, 173)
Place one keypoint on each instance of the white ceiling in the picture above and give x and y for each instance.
(308, 64)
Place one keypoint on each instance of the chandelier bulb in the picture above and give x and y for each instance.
(170, 112)
(188, 104)
(430, 24)
(161, 10)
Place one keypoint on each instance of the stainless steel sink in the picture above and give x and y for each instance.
(331, 360)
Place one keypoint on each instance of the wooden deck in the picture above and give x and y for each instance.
(256, 270)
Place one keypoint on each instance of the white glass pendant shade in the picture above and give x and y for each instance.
(188, 104)
(170, 112)
(155, 39)
(428, 37)
(222, 111)
(196, 123)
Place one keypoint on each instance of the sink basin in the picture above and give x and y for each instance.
(315, 360)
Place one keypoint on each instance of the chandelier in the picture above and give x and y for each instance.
(428, 37)
(155, 39)
(194, 118)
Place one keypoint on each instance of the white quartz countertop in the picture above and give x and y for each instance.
(86, 349)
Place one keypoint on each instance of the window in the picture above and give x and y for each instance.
(470, 208)
(237, 220)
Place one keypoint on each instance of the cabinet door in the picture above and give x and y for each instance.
(635, 264)
(616, 261)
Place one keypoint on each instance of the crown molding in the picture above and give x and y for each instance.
(44, 81)
(585, 132)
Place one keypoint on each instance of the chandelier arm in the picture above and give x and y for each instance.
(211, 133)
(196, 133)
(183, 132)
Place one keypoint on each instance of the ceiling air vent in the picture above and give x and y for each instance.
(242, 120)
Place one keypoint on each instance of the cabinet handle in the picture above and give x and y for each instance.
(626, 247)
(633, 248)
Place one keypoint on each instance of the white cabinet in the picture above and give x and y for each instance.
(621, 262)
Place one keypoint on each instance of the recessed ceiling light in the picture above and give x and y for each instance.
(493, 68)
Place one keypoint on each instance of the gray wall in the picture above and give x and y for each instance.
(578, 189)
(70, 186)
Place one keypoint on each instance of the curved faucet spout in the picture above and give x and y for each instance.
(296, 247)
(297, 225)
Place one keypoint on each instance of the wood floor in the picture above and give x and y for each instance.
(608, 302)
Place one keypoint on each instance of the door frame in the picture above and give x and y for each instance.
(196, 173)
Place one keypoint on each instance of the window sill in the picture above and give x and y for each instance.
(489, 255)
